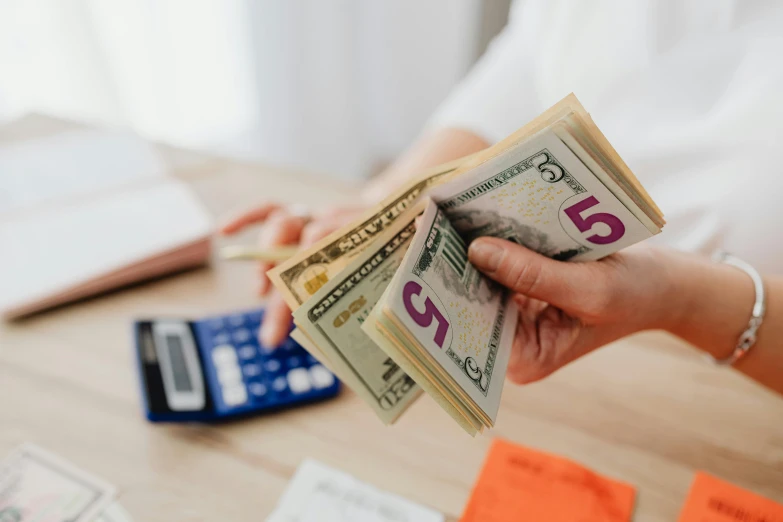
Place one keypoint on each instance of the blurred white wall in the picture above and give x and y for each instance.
(336, 86)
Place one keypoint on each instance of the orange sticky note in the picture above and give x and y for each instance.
(518, 483)
(714, 500)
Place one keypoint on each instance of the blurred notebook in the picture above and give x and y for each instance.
(84, 212)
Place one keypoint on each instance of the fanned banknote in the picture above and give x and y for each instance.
(540, 194)
(446, 324)
(304, 274)
(332, 321)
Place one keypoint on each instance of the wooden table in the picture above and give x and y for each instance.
(647, 410)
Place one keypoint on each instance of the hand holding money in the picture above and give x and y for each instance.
(393, 312)
(567, 310)
(284, 226)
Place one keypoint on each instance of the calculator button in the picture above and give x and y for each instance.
(221, 338)
(294, 362)
(247, 352)
(272, 365)
(229, 375)
(258, 389)
(279, 384)
(251, 370)
(236, 320)
(299, 381)
(322, 378)
(224, 355)
(288, 345)
(242, 335)
(216, 324)
(234, 395)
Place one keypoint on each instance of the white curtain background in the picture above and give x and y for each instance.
(334, 86)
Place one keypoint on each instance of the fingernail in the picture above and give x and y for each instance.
(485, 254)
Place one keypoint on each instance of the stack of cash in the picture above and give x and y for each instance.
(394, 307)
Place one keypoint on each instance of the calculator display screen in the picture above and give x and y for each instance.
(178, 365)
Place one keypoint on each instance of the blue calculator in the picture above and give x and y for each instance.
(215, 368)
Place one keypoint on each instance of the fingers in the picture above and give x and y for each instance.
(547, 339)
(317, 230)
(534, 356)
(324, 223)
(264, 283)
(250, 217)
(277, 322)
(277, 319)
(280, 229)
(575, 287)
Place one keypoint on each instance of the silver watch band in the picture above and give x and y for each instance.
(748, 338)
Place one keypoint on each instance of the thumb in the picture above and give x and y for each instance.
(571, 287)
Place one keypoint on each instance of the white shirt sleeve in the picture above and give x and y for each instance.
(687, 91)
(497, 93)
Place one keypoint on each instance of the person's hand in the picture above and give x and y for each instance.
(569, 309)
(285, 225)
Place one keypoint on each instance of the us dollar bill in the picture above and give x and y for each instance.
(456, 325)
(38, 485)
(547, 195)
(304, 274)
(382, 330)
(332, 319)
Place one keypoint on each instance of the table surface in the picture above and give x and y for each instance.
(647, 410)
